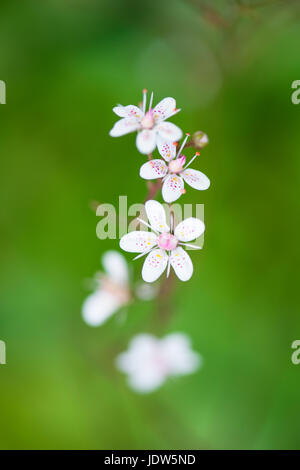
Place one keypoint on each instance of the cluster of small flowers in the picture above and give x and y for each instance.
(149, 360)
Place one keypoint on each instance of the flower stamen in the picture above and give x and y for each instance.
(144, 99)
(151, 101)
(183, 144)
(196, 155)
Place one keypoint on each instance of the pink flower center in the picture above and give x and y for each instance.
(176, 166)
(147, 121)
(167, 241)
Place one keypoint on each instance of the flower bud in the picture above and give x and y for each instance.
(200, 139)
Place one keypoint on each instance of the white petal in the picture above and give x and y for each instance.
(196, 179)
(164, 109)
(157, 216)
(181, 263)
(172, 188)
(115, 266)
(98, 307)
(166, 148)
(128, 111)
(154, 265)
(138, 241)
(146, 141)
(153, 169)
(124, 126)
(189, 229)
(168, 131)
(147, 380)
(177, 353)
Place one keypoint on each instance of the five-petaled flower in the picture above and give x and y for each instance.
(162, 245)
(149, 361)
(150, 125)
(173, 173)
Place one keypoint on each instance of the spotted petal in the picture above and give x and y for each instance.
(124, 126)
(172, 188)
(181, 263)
(128, 111)
(146, 141)
(189, 229)
(115, 266)
(154, 265)
(153, 169)
(164, 109)
(195, 179)
(157, 216)
(166, 148)
(168, 131)
(138, 241)
(99, 306)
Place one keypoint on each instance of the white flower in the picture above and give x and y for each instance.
(113, 291)
(174, 173)
(162, 245)
(149, 361)
(150, 125)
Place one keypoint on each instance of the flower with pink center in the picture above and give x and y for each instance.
(173, 171)
(152, 130)
(150, 361)
(163, 246)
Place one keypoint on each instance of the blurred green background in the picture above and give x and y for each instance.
(230, 65)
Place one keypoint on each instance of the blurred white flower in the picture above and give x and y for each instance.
(149, 361)
(174, 173)
(112, 293)
(150, 125)
(162, 245)
(113, 290)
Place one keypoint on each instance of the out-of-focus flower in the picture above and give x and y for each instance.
(162, 245)
(150, 125)
(174, 173)
(149, 361)
(112, 292)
